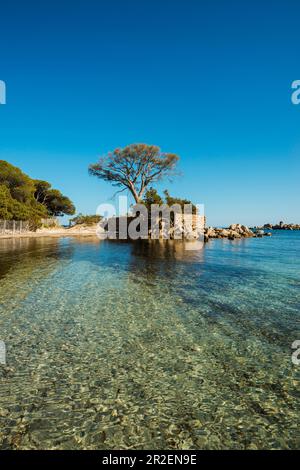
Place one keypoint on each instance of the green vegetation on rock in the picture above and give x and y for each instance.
(152, 197)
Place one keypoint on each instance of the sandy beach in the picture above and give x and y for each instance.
(54, 233)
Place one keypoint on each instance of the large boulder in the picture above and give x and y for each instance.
(243, 230)
(211, 233)
(234, 234)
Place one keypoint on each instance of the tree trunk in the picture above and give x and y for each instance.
(134, 193)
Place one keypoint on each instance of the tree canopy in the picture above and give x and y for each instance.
(22, 198)
(170, 200)
(57, 204)
(152, 197)
(135, 167)
(20, 186)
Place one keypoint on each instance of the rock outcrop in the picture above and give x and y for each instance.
(281, 226)
(233, 232)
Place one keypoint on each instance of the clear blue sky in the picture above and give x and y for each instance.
(209, 80)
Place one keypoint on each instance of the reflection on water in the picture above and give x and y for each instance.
(115, 345)
(167, 249)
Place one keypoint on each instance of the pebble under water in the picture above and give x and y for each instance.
(116, 345)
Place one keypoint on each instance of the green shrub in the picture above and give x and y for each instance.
(85, 219)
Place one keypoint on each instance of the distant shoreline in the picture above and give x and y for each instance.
(210, 232)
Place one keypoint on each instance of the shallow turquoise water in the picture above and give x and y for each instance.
(134, 346)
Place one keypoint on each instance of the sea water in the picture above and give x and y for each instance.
(116, 345)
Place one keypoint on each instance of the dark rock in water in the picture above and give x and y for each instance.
(236, 231)
(282, 226)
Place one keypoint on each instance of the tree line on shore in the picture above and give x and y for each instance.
(24, 198)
